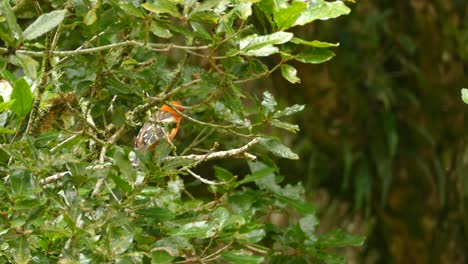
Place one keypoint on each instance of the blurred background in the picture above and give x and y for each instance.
(383, 140)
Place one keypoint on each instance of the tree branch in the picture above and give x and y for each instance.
(237, 152)
(161, 46)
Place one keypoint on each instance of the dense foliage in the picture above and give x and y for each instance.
(83, 74)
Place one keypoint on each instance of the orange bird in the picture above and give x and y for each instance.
(162, 125)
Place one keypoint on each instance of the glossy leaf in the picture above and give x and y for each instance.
(464, 95)
(27, 63)
(6, 131)
(255, 42)
(198, 229)
(314, 43)
(159, 30)
(157, 213)
(322, 10)
(290, 73)
(90, 17)
(21, 251)
(308, 224)
(22, 182)
(240, 257)
(13, 30)
(222, 174)
(290, 110)
(286, 17)
(130, 9)
(276, 147)
(6, 105)
(285, 125)
(314, 55)
(257, 175)
(269, 102)
(252, 236)
(44, 23)
(162, 6)
(23, 98)
(161, 257)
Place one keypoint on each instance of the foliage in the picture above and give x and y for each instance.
(385, 129)
(84, 73)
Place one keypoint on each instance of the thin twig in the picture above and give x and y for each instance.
(206, 181)
(218, 251)
(64, 142)
(63, 53)
(237, 152)
(54, 178)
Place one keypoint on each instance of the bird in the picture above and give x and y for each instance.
(162, 125)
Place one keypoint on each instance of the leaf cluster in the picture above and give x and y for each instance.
(83, 75)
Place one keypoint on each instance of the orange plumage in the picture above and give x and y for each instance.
(162, 125)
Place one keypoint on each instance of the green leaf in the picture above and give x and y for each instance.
(243, 10)
(21, 251)
(265, 183)
(286, 17)
(44, 23)
(27, 203)
(175, 245)
(241, 257)
(23, 98)
(314, 55)
(290, 110)
(339, 238)
(120, 239)
(159, 30)
(290, 73)
(285, 125)
(161, 257)
(90, 17)
(22, 182)
(225, 113)
(252, 236)
(6, 84)
(14, 31)
(261, 52)
(130, 9)
(308, 224)
(269, 102)
(121, 183)
(263, 44)
(271, 6)
(314, 43)
(6, 105)
(276, 147)
(198, 229)
(204, 229)
(222, 174)
(464, 95)
(209, 5)
(329, 258)
(303, 208)
(162, 6)
(6, 131)
(264, 172)
(158, 213)
(201, 31)
(220, 217)
(322, 10)
(28, 64)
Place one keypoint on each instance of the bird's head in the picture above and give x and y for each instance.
(171, 110)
